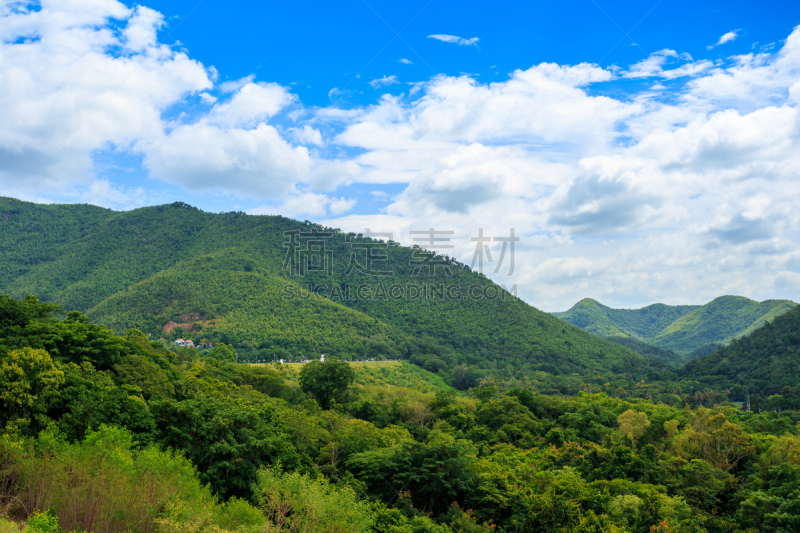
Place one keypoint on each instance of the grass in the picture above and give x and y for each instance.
(384, 373)
(355, 364)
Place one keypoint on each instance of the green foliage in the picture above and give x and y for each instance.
(633, 425)
(144, 268)
(667, 357)
(90, 398)
(435, 472)
(195, 443)
(302, 504)
(682, 329)
(326, 381)
(28, 379)
(228, 440)
(136, 370)
(42, 523)
(223, 352)
(762, 363)
(100, 484)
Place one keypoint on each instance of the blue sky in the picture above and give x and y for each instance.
(644, 151)
(315, 46)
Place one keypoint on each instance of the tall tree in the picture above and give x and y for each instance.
(326, 381)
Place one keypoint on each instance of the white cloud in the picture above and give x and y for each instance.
(56, 81)
(206, 157)
(330, 174)
(300, 205)
(384, 81)
(405, 61)
(674, 192)
(454, 39)
(234, 85)
(251, 103)
(653, 66)
(307, 135)
(341, 205)
(629, 201)
(333, 93)
(140, 32)
(726, 38)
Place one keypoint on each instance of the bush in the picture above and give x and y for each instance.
(301, 504)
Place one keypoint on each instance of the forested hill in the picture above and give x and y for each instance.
(682, 328)
(222, 277)
(103, 433)
(765, 361)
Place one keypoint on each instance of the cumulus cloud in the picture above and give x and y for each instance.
(653, 66)
(676, 192)
(307, 204)
(58, 69)
(234, 85)
(384, 81)
(405, 61)
(454, 39)
(726, 38)
(251, 103)
(206, 157)
(74, 89)
(634, 200)
(307, 135)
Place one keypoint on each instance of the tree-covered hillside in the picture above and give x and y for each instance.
(113, 434)
(684, 328)
(604, 321)
(766, 362)
(668, 357)
(224, 277)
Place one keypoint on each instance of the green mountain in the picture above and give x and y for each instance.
(604, 321)
(667, 357)
(175, 270)
(762, 362)
(682, 329)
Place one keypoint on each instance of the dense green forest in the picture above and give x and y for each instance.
(688, 330)
(667, 357)
(767, 362)
(174, 263)
(489, 415)
(115, 433)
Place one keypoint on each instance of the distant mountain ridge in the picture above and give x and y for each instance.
(682, 328)
(762, 362)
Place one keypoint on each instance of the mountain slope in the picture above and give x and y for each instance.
(764, 361)
(682, 329)
(605, 321)
(222, 300)
(667, 357)
(719, 321)
(153, 265)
